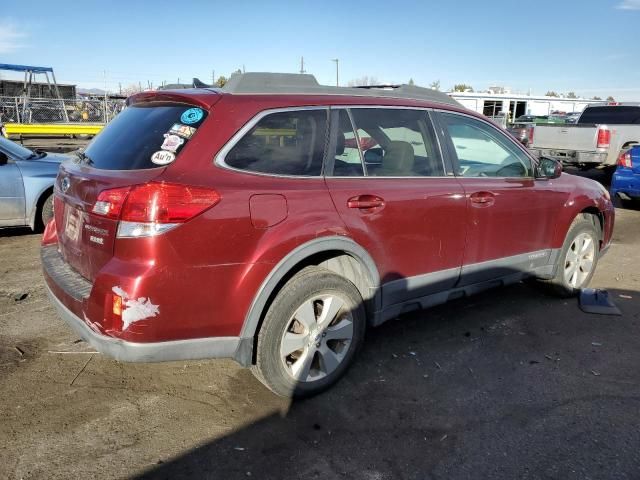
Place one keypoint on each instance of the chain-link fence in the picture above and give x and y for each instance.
(48, 110)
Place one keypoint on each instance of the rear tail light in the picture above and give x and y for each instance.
(624, 159)
(530, 136)
(604, 137)
(153, 208)
(110, 202)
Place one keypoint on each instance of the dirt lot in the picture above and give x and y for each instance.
(509, 384)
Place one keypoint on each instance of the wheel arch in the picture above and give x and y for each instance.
(592, 210)
(340, 255)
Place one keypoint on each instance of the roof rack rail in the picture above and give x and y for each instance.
(296, 83)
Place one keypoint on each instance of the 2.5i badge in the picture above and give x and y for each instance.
(162, 157)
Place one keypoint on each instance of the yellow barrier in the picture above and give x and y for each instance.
(52, 128)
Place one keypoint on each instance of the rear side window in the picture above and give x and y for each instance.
(397, 142)
(613, 115)
(283, 143)
(145, 136)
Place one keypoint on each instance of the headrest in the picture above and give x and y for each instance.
(398, 157)
(340, 141)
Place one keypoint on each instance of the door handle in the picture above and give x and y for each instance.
(365, 202)
(482, 199)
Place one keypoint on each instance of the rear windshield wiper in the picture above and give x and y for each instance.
(83, 157)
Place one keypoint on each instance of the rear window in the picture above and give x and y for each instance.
(145, 136)
(613, 115)
(283, 143)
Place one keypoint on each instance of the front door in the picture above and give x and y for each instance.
(511, 217)
(12, 210)
(390, 186)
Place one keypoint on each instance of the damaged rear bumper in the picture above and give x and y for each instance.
(124, 351)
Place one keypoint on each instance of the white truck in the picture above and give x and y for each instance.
(595, 140)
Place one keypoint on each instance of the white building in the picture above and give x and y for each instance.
(494, 104)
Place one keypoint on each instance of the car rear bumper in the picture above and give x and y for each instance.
(570, 156)
(124, 351)
(625, 183)
(69, 293)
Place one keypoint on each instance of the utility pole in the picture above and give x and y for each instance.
(337, 69)
(302, 70)
(106, 118)
(213, 77)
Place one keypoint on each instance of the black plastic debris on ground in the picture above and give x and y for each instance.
(18, 297)
(594, 300)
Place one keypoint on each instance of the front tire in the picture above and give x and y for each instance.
(310, 334)
(578, 258)
(45, 213)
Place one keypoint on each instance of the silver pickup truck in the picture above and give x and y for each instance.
(596, 139)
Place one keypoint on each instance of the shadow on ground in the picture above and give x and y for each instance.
(540, 391)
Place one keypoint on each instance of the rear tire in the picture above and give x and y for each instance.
(578, 258)
(310, 334)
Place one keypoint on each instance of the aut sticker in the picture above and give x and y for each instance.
(193, 115)
(182, 130)
(171, 142)
(162, 157)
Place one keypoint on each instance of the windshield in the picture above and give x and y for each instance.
(613, 115)
(143, 136)
(13, 150)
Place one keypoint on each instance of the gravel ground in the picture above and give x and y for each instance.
(509, 384)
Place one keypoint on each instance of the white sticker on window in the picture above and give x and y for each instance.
(171, 142)
(162, 157)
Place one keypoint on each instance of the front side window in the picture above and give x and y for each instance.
(283, 143)
(397, 142)
(483, 151)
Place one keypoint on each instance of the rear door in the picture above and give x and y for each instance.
(389, 184)
(132, 149)
(512, 216)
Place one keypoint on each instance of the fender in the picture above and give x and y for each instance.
(572, 207)
(252, 320)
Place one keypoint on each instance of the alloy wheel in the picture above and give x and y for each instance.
(317, 338)
(579, 260)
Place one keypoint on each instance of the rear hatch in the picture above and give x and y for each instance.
(133, 149)
(579, 138)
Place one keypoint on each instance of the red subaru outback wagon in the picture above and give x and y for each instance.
(274, 220)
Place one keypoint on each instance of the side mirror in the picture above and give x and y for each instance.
(548, 168)
(373, 156)
(3, 158)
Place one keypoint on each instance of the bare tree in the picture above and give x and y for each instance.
(610, 99)
(435, 85)
(572, 95)
(596, 98)
(551, 93)
(131, 89)
(365, 81)
(462, 87)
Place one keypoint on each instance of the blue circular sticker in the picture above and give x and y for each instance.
(193, 115)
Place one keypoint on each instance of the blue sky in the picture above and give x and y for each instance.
(590, 47)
